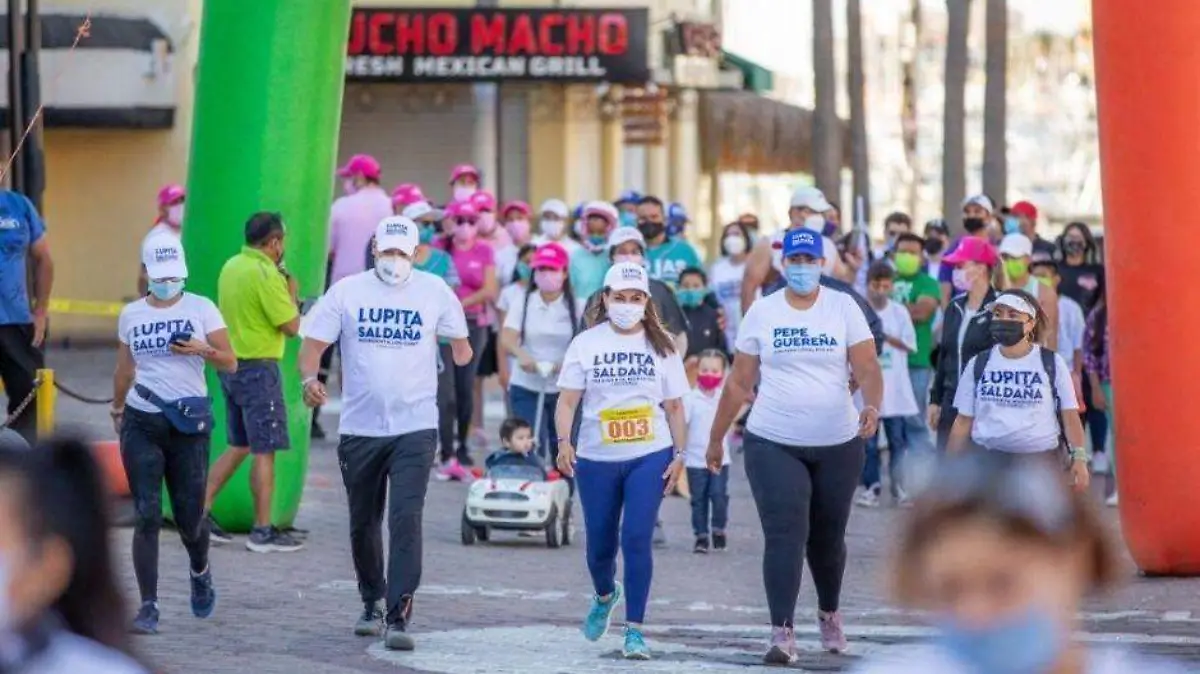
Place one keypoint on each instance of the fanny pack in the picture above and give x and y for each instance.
(190, 416)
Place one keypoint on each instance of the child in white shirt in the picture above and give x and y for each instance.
(710, 491)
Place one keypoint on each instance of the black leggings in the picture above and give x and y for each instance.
(152, 450)
(464, 383)
(804, 497)
(445, 401)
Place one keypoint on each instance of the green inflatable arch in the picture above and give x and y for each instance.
(267, 111)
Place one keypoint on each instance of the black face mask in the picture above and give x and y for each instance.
(973, 225)
(1007, 332)
(934, 246)
(1075, 247)
(650, 230)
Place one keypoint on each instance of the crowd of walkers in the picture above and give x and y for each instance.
(638, 371)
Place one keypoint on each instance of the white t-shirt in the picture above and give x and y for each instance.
(700, 409)
(624, 384)
(1013, 404)
(725, 280)
(930, 659)
(898, 397)
(548, 333)
(1071, 324)
(511, 293)
(570, 245)
(506, 264)
(388, 341)
(147, 331)
(804, 393)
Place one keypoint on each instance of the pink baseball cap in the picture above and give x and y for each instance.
(973, 249)
(407, 194)
(361, 165)
(484, 201)
(549, 256)
(519, 206)
(169, 194)
(463, 170)
(462, 210)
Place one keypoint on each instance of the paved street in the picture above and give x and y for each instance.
(514, 605)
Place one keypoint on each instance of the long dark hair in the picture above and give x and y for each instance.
(60, 495)
(743, 230)
(568, 296)
(1098, 343)
(1089, 242)
(527, 249)
(660, 340)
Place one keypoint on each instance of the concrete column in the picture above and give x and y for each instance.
(658, 168)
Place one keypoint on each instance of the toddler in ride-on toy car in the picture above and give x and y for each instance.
(516, 442)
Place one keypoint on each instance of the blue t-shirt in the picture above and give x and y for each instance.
(20, 228)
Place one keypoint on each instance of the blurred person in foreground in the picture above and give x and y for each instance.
(61, 609)
(1002, 556)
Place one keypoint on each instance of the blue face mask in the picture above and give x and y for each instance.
(690, 298)
(426, 234)
(523, 271)
(674, 229)
(1022, 644)
(1011, 225)
(165, 290)
(803, 278)
(628, 219)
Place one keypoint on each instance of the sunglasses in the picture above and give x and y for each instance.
(464, 221)
(1020, 487)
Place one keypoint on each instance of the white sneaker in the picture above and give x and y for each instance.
(1112, 500)
(1100, 463)
(868, 498)
(902, 499)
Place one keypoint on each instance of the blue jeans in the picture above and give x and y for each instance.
(710, 494)
(620, 501)
(897, 445)
(524, 406)
(919, 437)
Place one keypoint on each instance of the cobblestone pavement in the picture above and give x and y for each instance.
(513, 605)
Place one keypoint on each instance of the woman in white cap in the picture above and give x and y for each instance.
(554, 225)
(804, 441)
(629, 376)
(1016, 253)
(163, 415)
(1019, 398)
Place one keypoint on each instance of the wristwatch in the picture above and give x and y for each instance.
(1080, 454)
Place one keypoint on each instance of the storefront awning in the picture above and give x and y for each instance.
(754, 77)
(120, 76)
(747, 133)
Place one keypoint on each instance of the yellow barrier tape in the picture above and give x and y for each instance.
(85, 307)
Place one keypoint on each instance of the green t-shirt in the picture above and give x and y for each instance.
(666, 261)
(907, 291)
(254, 299)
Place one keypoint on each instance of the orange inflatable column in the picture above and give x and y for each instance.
(1147, 64)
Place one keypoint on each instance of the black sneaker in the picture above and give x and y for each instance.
(396, 637)
(719, 541)
(316, 432)
(701, 546)
(204, 596)
(146, 621)
(217, 535)
(270, 539)
(370, 624)
(464, 457)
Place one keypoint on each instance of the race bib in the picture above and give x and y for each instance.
(631, 424)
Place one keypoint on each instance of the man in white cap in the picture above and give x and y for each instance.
(553, 225)
(1016, 254)
(387, 321)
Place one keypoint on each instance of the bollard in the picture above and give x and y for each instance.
(46, 398)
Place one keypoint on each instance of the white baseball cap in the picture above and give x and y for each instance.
(622, 235)
(397, 233)
(627, 276)
(1016, 245)
(422, 209)
(555, 206)
(1014, 302)
(163, 257)
(807, 196)
(982, 200)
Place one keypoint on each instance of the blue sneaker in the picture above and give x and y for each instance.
(635, 644)
(599, 617)
(204, 597)
(146, 621)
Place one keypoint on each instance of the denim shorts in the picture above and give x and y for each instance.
(254, 407)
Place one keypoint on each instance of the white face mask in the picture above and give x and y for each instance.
(551, 228)
(625, 315)
(735, 244)
(463, 192)
(815, 223)
(631, 259)
(175, 215)
(393, 270)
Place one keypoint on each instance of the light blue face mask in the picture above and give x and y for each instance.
(1022, 644)
(803, 278)
(165, 290)
(628, 219)
(1012, 225)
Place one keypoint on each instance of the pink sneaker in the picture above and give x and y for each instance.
(833, 638)
(453, 470)
(783, 647)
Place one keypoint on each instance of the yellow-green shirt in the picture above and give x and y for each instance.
(254, 299)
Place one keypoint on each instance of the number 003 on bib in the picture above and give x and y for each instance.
(630, 424)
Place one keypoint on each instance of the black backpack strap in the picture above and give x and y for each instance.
(981, 362)
(1050, 365)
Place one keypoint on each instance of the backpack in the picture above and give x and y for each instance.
(1050, 366)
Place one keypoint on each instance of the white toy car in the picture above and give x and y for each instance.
(517, 497)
